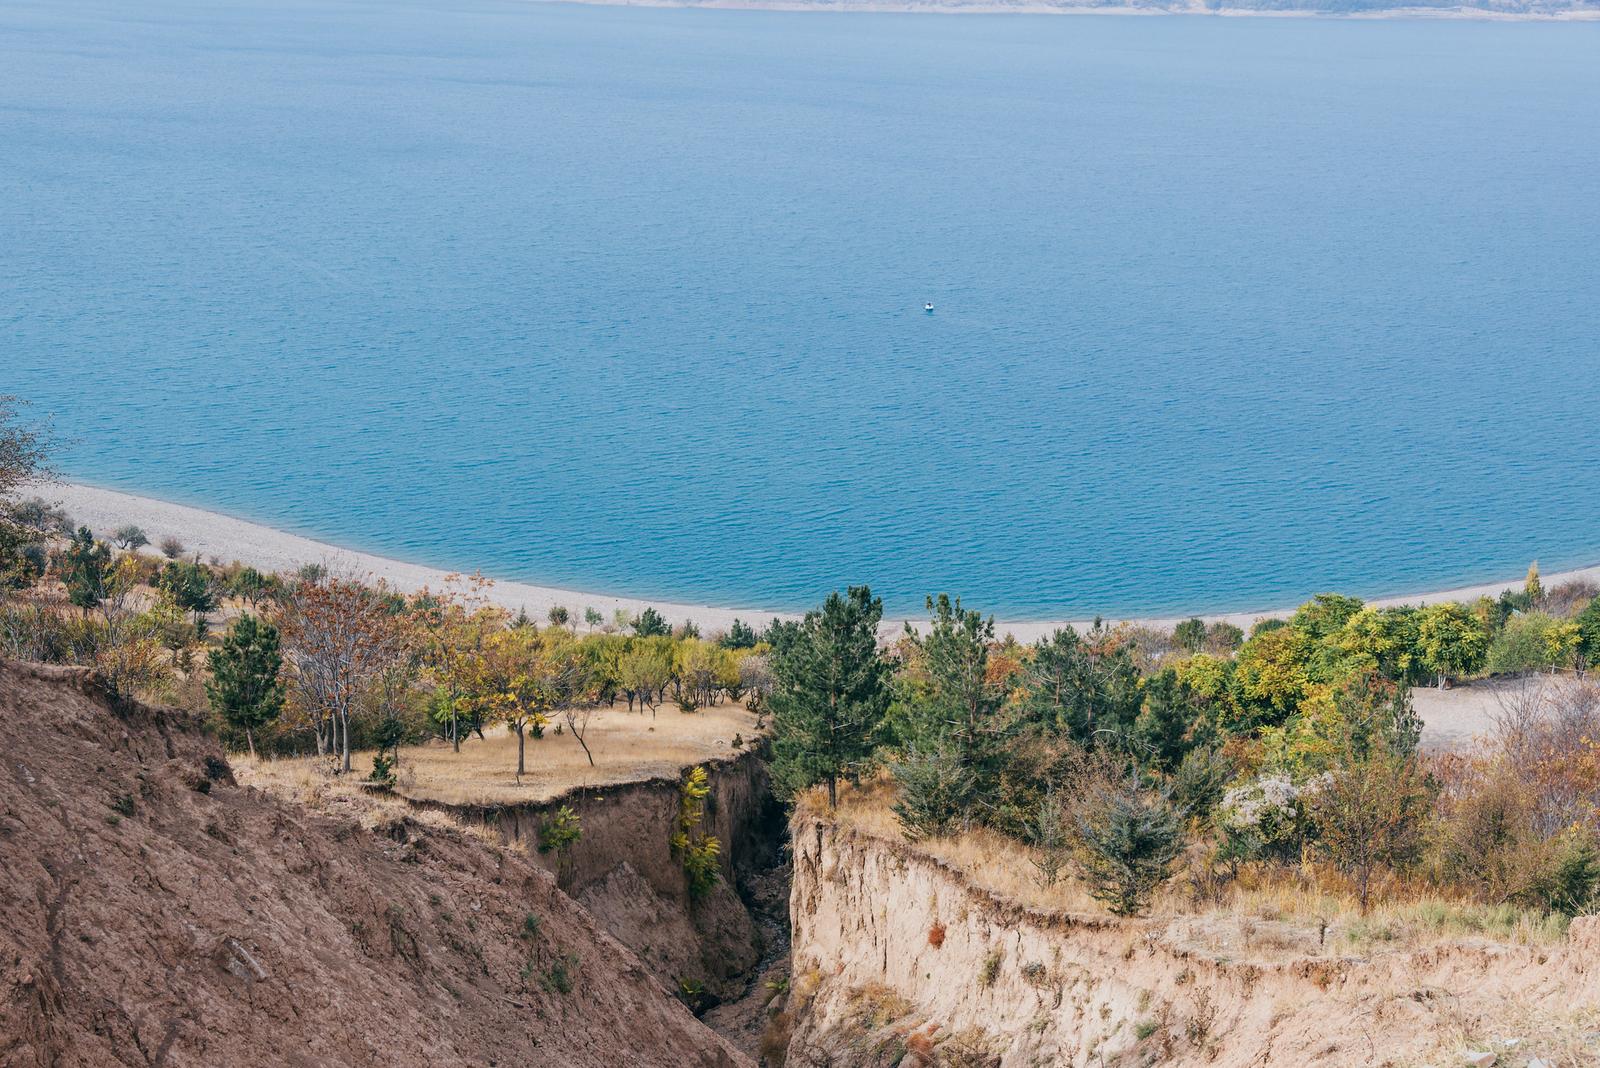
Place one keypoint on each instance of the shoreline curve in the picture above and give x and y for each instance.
(229, 538)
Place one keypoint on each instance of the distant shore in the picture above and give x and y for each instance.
(1044, 7)
(212, 534)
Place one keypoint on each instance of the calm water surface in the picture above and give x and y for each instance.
(1227, 311)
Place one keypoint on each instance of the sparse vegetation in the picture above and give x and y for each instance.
(560, 832)
(990, 969)
(699, 853)
(561, 975)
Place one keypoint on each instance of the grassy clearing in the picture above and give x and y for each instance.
(1264, 914)
(627, 746)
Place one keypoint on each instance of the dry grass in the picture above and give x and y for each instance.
(1563, 1036)
(1266, 914)
(314, 786)
(627, 746)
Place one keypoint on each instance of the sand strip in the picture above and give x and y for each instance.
(215, 535)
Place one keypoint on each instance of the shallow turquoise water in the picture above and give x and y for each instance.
(1228, 311)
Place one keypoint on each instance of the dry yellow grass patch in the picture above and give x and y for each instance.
(627, 746)
(314, 786)
(1266, 914)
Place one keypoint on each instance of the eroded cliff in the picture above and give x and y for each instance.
(899, 960)
(624, 872)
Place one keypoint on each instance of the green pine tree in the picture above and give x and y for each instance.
(1126, 841)
(831, 694)
(961, 707)
(88, 563)
(1589, 633)
(189, 582)
(244, 687)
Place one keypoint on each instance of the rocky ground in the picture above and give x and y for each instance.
(153, 912)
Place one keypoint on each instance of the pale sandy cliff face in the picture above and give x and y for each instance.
(152, 912)
(898, 960)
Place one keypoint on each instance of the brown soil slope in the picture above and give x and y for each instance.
(152, 912)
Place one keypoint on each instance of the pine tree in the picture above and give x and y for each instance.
(1589, 634)
(962, 705)
(1086, 687)
(831, 693)
(1532, 586)
(189, 583)
(1162, 733)
(87, 563)
(1190, 635)
(938, 792)
(1126, 840)
(651, 624)
(244, 687)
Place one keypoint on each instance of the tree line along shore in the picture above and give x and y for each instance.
(1142, 765)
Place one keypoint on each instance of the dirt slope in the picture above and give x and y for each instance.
(152, 912)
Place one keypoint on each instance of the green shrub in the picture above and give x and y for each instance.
(698, 852)
(692, 992)
(559, 978)
(560, 832)
(1530, 641)
(937, 791)
(1570, 880)
(990, 969)
(1125, 842)
(702, 865)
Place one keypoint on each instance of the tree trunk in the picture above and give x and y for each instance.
(250, 740)
(344, 742)
(833, 791)
(581, 742)
(455, 729)
(520, 749)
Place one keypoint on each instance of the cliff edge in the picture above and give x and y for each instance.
(153, 912)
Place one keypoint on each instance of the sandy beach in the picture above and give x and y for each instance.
(212, 534)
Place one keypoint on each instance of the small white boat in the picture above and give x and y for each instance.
(928, 306)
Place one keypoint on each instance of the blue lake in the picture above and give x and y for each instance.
(1227, 311)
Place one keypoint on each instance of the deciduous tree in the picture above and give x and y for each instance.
(1368, 812)
(130, 537)
(339, 635)
(1452, 640)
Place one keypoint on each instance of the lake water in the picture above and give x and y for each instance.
(1227, 311)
